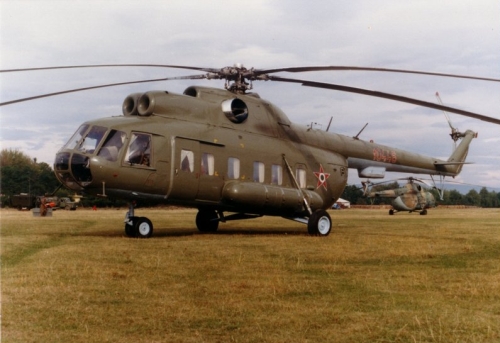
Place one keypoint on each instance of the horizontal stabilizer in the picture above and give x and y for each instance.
(451, 163)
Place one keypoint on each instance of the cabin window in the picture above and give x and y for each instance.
(112, 145)
(207, 164)
(276, 174)
(92, 139)
(187, 161)
(233, 168)
(139, 149)
(301, 177)
(258, 171)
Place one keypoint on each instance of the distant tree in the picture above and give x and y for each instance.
(488, 199)
(472, 198)
(455, 197)
(11, 157)
(21, 174)
(352, 194)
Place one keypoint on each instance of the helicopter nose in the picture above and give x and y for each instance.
(73, 170)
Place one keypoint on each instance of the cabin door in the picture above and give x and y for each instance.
(210, 181)
(185, 174)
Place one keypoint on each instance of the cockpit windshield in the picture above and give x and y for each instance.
(75, 140)
(92, 139)
(86, 140)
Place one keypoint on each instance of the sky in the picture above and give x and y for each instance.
(450, 36)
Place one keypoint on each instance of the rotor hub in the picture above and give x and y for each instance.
(238, 78)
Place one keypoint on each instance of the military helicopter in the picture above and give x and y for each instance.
(411, 197)
(229, 153)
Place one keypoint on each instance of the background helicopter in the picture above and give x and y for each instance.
(411, 197)
(231, 151)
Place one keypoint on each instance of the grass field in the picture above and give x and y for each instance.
(75, 277)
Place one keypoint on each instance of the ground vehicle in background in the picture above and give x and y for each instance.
(23, 201)
(56, 203)
(67, 204)
(27, 201)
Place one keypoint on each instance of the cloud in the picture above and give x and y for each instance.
(446, 36)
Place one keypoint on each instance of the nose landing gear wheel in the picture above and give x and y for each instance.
(319, 224)
(143, 227)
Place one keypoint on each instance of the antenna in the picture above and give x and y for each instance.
(356, 137)
(329, 123)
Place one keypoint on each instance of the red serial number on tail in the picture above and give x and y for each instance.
(381, 155)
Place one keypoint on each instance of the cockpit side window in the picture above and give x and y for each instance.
(112, 145)
(139, 150)
(92, 139)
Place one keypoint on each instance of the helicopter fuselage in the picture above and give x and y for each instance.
(411, 197)
(220, 151)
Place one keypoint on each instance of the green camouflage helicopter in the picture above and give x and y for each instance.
(409, 198)
(229, 153)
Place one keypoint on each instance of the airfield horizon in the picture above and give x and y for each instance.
(76, 277)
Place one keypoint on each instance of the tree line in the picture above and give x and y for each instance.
(483, 198)
(19, 173)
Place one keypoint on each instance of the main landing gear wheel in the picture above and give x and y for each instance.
(319, 224)
(207, 221)
(424, 212)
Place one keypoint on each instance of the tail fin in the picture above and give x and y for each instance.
(456, 161)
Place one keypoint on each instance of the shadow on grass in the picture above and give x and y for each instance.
(169, 232)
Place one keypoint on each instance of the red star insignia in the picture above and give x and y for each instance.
(322, 177)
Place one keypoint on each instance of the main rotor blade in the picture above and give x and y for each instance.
(387, 96)
(258, 72)
(209, 70)
(193, 77)
(404, 71)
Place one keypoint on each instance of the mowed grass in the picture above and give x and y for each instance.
(75, 277)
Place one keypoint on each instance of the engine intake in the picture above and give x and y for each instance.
(129, 107)
(146, 104)
(235, 110)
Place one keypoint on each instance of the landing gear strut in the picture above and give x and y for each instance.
(137, 226)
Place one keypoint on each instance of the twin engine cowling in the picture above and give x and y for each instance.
(144, 104)
(138, 104)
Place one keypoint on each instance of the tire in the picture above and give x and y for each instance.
(207, 221)
(143, 227)
(130, 231)
(319, 224)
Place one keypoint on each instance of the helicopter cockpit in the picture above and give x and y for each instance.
(72, 163)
